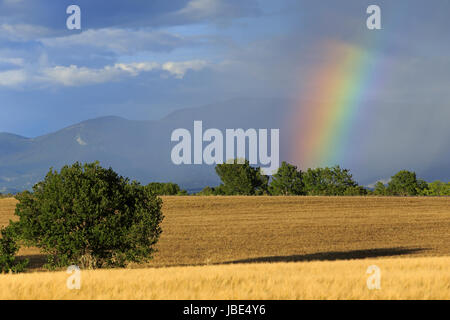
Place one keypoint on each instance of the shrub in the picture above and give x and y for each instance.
(90, 216)
(355, 191)
(166, 189)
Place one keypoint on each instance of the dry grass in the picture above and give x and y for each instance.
(212, 230)
(407, 278)
(7, 206)
(208, 230)
(272, 231)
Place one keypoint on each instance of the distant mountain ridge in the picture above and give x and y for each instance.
(141, 149)
(136, 149)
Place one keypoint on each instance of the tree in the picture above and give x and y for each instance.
(8, 250)
(241, 179)
(436, 188)
(380, 189)
(90, 216)
(287, 181)
(403, 183)
(328, 181)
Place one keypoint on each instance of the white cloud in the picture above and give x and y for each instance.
(179, 69)
(79, 76)
(14, 61)
(120, 41)
(12, 78)
(23, 32)
(200, 10)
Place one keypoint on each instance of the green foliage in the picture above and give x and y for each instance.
(241, 179)
(287, 181)
(329, 181)
(165, 189)
(8, 250)
(207, 191)
(436, 188)
(212, 191)
(90, 216)
(380, 189)
(422, 186)
(355, 191)
(403, 183)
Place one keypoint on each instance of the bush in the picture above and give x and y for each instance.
(8, 250)
(206, 191)
(212, 191)
(355, 191)
(166, 189)
(90, 216)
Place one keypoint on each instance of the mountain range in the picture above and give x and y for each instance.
(140, 150)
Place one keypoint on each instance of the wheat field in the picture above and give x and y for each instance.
(270, 248)
(404, 278)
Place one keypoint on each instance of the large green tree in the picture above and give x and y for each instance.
(241, 178)
(403, 183)
(90, 216)
(287, 181)
(332, 181)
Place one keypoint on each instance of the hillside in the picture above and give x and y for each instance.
(136, 149)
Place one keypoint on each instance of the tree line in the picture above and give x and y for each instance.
(243, 179)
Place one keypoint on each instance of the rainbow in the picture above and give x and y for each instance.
(329, 106)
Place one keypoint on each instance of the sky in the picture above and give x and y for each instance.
(168, 55)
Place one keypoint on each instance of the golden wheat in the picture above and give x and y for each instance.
(401, 278)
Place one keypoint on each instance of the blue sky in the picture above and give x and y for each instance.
(144, 59)
(164, 54)
(174, 54)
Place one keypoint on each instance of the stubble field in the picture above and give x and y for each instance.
(272, 248)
